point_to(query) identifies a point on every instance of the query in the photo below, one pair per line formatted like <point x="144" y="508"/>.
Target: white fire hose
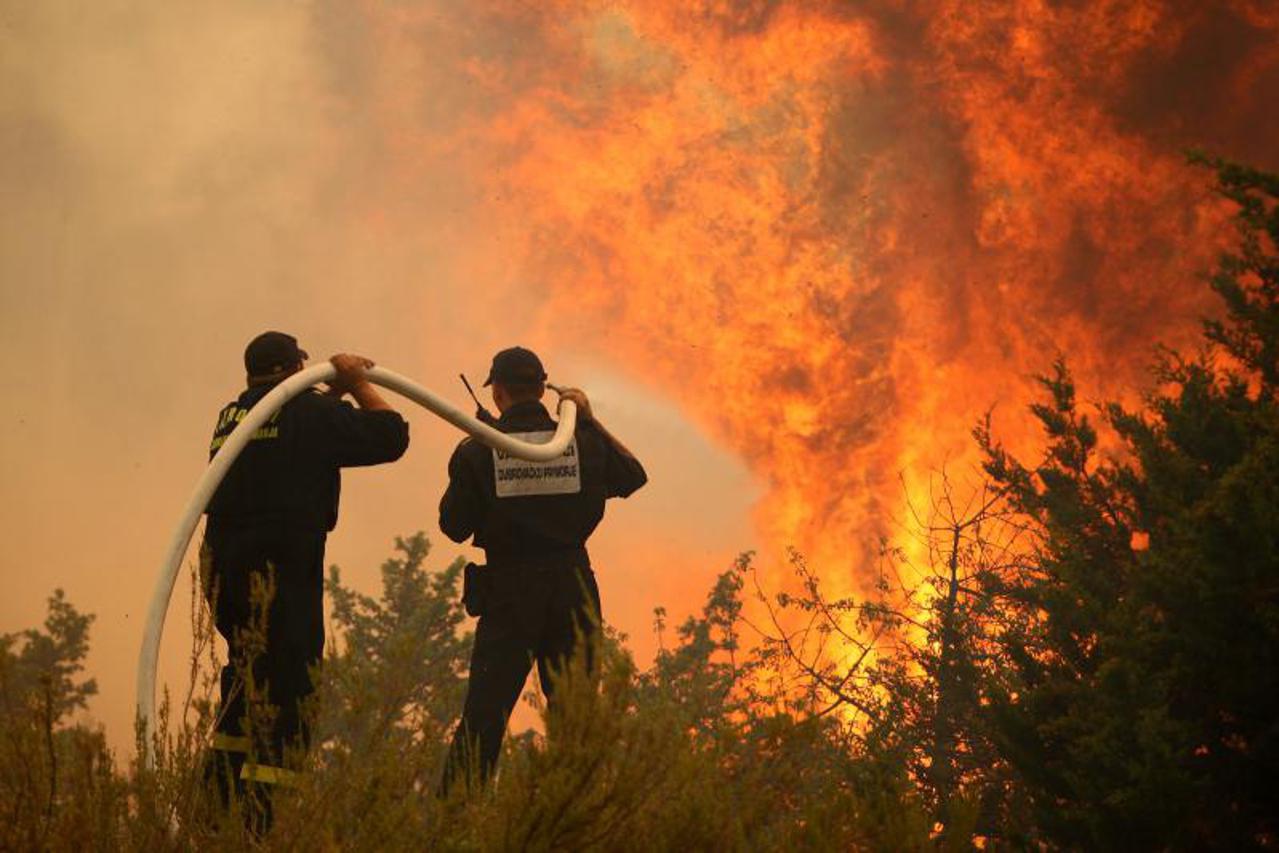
<point x="235" y="442"/>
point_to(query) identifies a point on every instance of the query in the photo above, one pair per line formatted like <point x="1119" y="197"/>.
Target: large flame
<point x="837" y="232"/>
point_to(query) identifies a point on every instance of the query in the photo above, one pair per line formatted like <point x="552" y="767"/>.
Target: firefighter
<point x="263" y="557"/>
<point x="536" y="597"/>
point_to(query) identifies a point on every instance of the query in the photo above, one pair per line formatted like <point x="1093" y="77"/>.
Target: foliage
<point x="391" y="689"/>
<point x="55" y="777"/>
<point x="1145" y="708"/>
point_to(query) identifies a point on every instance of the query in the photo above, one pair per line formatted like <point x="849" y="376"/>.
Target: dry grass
<point x="628" y="761"/>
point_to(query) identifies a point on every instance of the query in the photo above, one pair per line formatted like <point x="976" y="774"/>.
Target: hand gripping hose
<point x="256" y="418"/>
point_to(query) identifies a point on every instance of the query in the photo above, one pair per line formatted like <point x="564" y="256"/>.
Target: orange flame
<point x="839" y="234"/>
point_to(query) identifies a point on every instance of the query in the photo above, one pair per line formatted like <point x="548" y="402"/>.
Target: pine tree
<point x="1146" y="705"/>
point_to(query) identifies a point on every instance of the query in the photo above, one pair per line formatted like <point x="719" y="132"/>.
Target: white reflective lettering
<point x="519" y="477"/>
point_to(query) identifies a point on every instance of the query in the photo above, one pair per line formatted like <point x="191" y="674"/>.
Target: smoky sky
<point x="177" y="179"/>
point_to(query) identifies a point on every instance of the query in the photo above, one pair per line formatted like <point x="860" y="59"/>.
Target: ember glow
<point x="838" y="233"/>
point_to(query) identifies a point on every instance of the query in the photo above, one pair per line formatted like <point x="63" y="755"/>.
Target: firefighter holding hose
<point x="536" y="597"/>
<point x="263" y="556"/>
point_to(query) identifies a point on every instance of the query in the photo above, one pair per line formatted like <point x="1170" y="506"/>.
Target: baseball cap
<point x="516" y="366"/>
<point x="271" y="352"/>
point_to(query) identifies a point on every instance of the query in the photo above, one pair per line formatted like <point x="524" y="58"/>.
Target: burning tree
<point x="1083" y="652"/>
<point x="911" y="668"/>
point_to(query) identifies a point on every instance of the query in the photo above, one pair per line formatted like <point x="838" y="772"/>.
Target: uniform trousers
<point x="266" y="586"/>
<point x="533" y="615"/>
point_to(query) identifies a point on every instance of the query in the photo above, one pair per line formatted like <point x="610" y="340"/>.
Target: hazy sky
<point x="176" y="179"/>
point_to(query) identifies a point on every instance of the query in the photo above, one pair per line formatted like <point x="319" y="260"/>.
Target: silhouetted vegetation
<point x="1080" y="652"/>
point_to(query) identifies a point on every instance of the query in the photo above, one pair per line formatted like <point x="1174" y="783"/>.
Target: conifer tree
<point x="1145" y="710"/>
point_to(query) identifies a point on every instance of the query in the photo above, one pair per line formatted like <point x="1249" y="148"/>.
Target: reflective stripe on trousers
<point x="230" y="743"/>
<point x="265" y="774"/>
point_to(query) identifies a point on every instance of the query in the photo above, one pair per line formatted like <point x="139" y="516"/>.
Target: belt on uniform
<point x="571" y="558"/>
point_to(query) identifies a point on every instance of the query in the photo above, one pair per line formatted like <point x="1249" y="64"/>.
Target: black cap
<point x="516" y="366"/>
<point x="271" y="352"/>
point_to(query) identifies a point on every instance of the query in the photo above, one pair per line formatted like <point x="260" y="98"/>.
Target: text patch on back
<point x="519" y="477"/>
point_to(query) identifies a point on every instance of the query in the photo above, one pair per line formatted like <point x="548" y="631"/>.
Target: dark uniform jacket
<point x="288" y="474"/>
<point x="532" y="527"/>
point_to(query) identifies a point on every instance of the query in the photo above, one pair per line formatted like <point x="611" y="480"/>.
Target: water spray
<point x="236" y="441"/>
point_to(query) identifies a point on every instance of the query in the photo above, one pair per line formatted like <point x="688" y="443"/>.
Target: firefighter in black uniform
<point x="263" y="556"/>
<point x="536" y="597"/>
